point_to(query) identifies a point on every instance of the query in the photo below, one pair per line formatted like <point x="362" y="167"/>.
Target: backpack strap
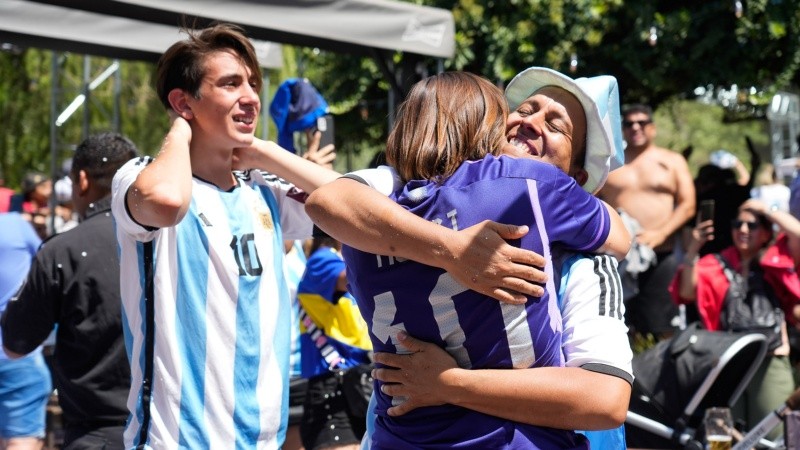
<point x="726" y="268"/>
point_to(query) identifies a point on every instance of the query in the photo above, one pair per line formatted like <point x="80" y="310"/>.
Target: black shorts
<point x="653" y="310"/>
<point x="327" y="420"/>
<point x="297" y="397"/>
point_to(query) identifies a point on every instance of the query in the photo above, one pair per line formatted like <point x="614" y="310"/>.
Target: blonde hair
<point x="446" y="119"/>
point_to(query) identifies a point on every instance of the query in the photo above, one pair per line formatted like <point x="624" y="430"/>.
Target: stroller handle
<point x="768" y="423"/>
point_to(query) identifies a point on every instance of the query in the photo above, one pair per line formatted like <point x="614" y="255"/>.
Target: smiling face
<point x="638" y="129"/>
<point x="749" y="233"/>
<point x="550" y="125"/>
<point x="225" y="111"/>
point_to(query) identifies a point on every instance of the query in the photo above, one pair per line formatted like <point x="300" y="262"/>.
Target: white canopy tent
<point x="30" y="24"/>
<point x="376" y="28"/>
<point x="347" y="26"/>
<point x="143" y="29"/>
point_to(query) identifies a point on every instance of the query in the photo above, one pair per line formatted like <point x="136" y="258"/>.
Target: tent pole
<point x="265" y="105"/>
<point x="117" y="92"/>
<point x="53" y="132"/>
<point x="87" y="68"/>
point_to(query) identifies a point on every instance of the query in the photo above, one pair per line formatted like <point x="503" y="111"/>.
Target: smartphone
<point x="706" y="211"/>
<point x="325" y="126"/>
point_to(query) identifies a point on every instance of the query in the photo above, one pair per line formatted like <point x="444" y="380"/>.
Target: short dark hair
<point x="637" y="108"/>
<point x="101" y="155"/>
<point x="181" y="66"/>
<point x="30" y="181"/>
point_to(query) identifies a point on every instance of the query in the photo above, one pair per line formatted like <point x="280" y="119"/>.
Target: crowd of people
<point x="490" y="276"/>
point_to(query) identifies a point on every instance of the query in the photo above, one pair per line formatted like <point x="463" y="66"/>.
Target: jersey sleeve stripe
<point x="610" y="287"/>
<point x="603" y="284"/>
<point x="355" y="177"/>
<point x="608" y="370"/>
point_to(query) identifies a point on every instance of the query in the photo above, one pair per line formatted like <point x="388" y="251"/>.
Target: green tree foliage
<point x="25" y="104"/>
<point x="684" y="123"/>
<point x="697" y="43"/>
<point x="25" y="110"/>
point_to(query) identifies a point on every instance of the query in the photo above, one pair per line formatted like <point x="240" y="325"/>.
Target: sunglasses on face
<point x="641" y="123"/>
<point x="737" y="224"/>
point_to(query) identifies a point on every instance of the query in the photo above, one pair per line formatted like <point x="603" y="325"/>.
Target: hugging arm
<point x="558" y="397"/>
<point x="269" y="156"/>
<point x="591" y="393"/>
<point x="477" y="257"/>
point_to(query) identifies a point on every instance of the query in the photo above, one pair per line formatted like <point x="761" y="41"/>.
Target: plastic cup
<point x="718" y="424"/>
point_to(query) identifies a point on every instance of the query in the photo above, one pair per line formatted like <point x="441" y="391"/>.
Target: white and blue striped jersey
<point x="295" y="265"/>
<point x="206" y="314"/>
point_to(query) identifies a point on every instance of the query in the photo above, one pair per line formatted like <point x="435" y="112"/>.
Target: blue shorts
<point x="25" y="387"/>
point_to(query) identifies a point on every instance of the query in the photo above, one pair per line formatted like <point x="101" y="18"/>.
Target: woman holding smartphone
<point x="762" y="269"/>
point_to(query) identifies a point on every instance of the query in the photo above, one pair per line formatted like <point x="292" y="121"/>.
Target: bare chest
<point x="653" y="175"/>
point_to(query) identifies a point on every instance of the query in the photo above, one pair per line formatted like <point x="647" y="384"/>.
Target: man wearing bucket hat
<point x="655" y="188"/>
<point x="596" y="347"/>
<point x="597" y="151"/>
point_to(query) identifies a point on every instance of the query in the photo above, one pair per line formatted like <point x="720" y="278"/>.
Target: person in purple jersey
<point x="595" y="338"/>
<point x="435" y="133"/>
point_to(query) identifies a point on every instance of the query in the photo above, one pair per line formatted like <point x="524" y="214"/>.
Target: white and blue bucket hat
<point x="599" y="97"/>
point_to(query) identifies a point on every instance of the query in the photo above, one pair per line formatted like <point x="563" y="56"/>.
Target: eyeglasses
<point x="641" y="123"/>
<point x="737" y="224"/>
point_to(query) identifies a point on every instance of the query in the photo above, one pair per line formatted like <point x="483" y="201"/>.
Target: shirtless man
<point x="654" y="187"/>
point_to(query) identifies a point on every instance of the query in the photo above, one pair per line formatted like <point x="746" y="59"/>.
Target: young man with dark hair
<point x="204" y="297"/>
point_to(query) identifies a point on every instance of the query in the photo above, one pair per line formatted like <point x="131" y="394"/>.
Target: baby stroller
<point x="680" y="377"/>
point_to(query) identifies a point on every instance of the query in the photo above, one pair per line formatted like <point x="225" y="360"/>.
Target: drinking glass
<point x="718" y="425"/>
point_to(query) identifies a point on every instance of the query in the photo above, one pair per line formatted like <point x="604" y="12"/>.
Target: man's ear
<point x="581" y="176"/>
<point x="178" y="101"/>
<point x="83" y="183"/>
